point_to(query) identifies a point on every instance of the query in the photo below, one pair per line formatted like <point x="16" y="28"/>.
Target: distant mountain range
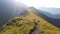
<point x="51" y="12"/>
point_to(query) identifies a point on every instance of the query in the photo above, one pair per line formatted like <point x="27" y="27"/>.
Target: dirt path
<point x="35" y="30"/>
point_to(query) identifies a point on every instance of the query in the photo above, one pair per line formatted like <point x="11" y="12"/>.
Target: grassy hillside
<point x="29" y="23"/>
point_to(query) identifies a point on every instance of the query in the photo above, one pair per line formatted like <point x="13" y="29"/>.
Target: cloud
<point x="42" y="3"/>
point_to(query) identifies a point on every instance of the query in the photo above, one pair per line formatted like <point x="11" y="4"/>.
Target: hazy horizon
<point x="43" y="3"/>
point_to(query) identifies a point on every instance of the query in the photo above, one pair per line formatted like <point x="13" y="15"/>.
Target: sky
<point x="41" y="3"/>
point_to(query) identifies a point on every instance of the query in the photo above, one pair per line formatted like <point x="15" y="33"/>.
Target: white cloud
<point x="42" y="3"/>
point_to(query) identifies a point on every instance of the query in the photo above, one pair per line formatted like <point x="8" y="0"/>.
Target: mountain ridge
<point x="29" y="23"/>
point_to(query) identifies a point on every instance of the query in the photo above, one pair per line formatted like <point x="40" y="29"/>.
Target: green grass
<point x="24" y="23"/>
<point x="17" y="26"/>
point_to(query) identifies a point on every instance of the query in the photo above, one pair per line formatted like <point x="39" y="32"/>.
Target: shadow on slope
<point x="49" y="17"/>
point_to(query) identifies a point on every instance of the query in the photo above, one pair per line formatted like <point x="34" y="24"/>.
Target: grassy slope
<point x="23" y="24"/>
<point x="45" y="26"/>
